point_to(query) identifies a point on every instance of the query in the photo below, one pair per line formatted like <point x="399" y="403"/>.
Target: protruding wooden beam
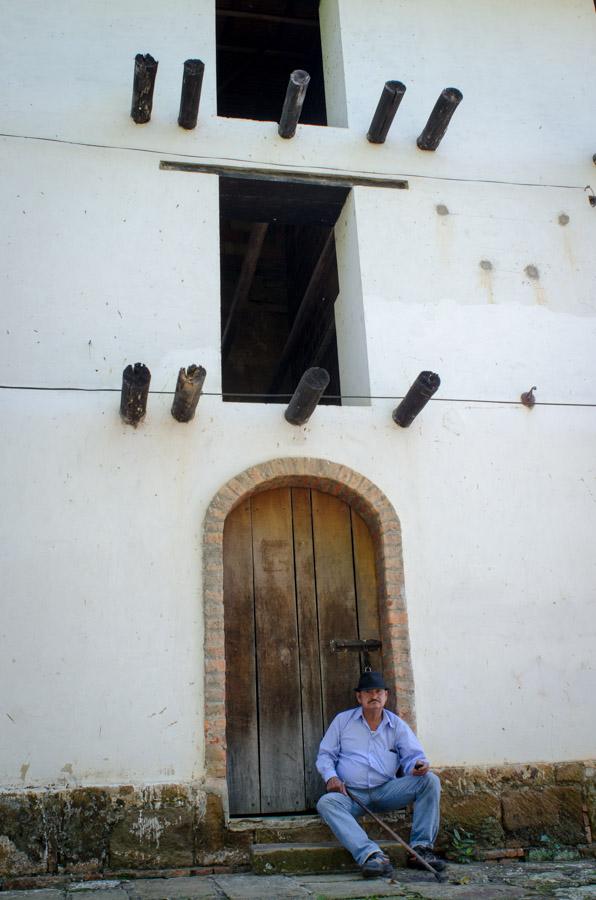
<point x="416" y="399"/>
<point x="304" y="401"/>
<point x="188" y="392"/>
<point x="292" y="107"/>
<point x="439" y="119"/>
<point x="391" y="97"/>
<point x="142" y="88"/>
<point x="311" y="295"/>
<point x="245" y="280"/>
<point x="135" y="390"/>
<point x="190" y="97"/>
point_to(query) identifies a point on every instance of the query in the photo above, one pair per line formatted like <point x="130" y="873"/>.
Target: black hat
<point x="370" y="681"/>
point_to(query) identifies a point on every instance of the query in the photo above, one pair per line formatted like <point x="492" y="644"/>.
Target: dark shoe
<point x="377" y="866"/>
<point x="428" y="856"/>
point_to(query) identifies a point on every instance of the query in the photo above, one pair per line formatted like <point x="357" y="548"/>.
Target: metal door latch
<point x="359" y="646"/>
<point x="364" y="647"/>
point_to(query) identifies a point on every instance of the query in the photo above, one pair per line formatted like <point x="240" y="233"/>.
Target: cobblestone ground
<point x="523" y="881"/>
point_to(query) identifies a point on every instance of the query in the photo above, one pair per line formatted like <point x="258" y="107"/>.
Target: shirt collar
<point x="384" y="720"/>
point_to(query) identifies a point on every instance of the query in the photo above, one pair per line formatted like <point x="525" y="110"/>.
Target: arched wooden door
<point x="299" y="572"/>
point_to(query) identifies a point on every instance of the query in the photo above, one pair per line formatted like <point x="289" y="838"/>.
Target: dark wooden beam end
<point x="311" y="388"/>
<point x="439" y="119"/>
<point x="416" y="399"/>
<point x="391" y="97"/>
<point x="135" y="390"/>
<point x="190" y="97"/>
<point x="188" y="392"/>
<point x="142" y="88"/>
<point x="295" y="94"/>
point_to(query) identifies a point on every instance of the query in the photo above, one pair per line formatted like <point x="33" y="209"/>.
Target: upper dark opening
<point x="259" y="43"/>
<point x="279" y="283"/>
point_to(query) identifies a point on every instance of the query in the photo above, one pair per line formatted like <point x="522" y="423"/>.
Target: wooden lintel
<point x="286" y="175"/>
<point x="245" y="280"/>
<point x="311" y="295"/>
<point x="267" y="17"/>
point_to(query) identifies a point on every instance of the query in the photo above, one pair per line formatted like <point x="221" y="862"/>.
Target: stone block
<point x="357" y="889"/>
<point x="246" y="887"/>
<point x="96" y="893"/>
<point x="153" y="838"/>
<point x="569" y="771"/>
<point x="313" y="833"/>
<point x="479" y="814"/>
<point x="84" y="837"/>
<point x="590" y="798"/>
<point x="312" y="830"/>
<point x="555" y="812"/>
<point x="467" y="779"/>
<point x="48" y="894"/>
<point x="275" y="859"/>
<point x="174" y="795"/>
<point x="29" y="824"/>
<point x="212" y="841"/>
<point x="186" y="888"/>
<point x="290" y="859"/>
<point x="501" y="853"/>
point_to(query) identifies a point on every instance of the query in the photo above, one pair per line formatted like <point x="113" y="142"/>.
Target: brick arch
<point x="383" y="523"/>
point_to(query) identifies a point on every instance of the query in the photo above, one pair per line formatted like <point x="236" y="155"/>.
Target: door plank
<point x="241" y="693"/>
<point x="278" y="675"/>
<point x="366" y="586"/>
<point x="336" y="600"/>
<point x="308" y="630"/>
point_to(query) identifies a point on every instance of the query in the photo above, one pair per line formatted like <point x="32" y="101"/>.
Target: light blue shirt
<point x="362" y="758"/>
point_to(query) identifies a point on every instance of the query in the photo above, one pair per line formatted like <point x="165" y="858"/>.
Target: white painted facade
<point x="107" y="260"/>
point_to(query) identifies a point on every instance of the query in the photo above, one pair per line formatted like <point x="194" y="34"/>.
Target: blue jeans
<point x="340" y="813"/>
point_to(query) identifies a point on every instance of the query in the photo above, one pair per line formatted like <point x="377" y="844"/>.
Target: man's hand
<point x="420" y="768"/>
<point x="336" y="785"/>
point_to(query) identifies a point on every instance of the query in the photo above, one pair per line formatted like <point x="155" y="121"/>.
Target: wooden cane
<point x="395" y="836"/>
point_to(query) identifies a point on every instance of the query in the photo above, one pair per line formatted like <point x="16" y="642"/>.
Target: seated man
<point x="362" y="750"/>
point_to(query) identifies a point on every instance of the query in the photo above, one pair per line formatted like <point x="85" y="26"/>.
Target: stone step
<point x="303" y="858"/>
<point x="309" y="829"/>
<point x="304" y="829"/>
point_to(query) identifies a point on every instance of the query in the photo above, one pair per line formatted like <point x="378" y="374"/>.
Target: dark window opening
<point x="279" y="283"/>
<point x="259" y="43"/>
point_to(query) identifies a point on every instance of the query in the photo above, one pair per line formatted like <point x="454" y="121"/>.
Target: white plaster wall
<point x="429" y="303"/>
<point x="526" y="115"/>
<point x="102" y="630"/>
<point x="107" y="260"/>
<point x="333" y="63"/>
<point x="526" y="105"/>
<point x="350" y="324"/>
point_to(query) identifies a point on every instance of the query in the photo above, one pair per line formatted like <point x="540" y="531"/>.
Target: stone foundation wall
<point x="532" y="810"/>
<point x="546" y="807"/>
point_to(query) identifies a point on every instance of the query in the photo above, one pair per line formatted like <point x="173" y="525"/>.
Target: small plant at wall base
<point x="551" y="849"/>
<point x="462" y="846"/>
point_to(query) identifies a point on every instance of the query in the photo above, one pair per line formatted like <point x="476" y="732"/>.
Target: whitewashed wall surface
<point x="483" y="271"/>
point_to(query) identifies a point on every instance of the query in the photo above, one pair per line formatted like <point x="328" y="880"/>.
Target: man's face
<point x="376" y="698"/>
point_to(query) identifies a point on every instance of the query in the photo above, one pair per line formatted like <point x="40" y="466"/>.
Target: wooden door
<point x="299" y="572"/>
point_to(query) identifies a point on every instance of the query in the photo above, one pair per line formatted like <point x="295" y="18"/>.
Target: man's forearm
<point x="326" y="769"/>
